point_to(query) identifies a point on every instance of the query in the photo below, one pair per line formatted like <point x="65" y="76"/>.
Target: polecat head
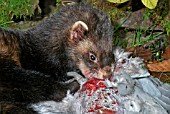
<point x="90" y="51"/>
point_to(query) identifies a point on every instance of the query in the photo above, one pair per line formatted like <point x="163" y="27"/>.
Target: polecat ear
<point x="77" y="32"/>
<point x="69" y="2"/>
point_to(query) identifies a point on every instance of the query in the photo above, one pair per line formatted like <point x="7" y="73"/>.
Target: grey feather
<point x="125" y="89"/>
<point x="149" y="87"/>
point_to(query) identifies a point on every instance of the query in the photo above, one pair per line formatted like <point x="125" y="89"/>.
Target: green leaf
<point x="117" y="1"/>
<point x="151" y="4"/>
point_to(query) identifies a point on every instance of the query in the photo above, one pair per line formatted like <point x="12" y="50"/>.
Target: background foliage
<point x="15" y="8"/>
<point x="151" y="4"/>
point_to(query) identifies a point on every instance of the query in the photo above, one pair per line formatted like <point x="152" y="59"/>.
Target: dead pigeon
<point x="130" y="90"/>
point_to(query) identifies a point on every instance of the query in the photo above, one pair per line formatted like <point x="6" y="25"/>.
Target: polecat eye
<point x="92" y="57"/>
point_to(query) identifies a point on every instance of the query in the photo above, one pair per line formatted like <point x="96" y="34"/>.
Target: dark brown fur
<point x="9" y="47"/>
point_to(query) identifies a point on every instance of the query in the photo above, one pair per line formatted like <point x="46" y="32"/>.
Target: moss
<point x="110" y="9"/>
<point x="18" y="8"/>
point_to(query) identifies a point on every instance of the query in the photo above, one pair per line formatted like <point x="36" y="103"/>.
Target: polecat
<point x="34" y="62"/>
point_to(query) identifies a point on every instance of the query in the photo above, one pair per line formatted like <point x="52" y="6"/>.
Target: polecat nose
<point x="107" y="69"/>
<point x="105" y="72"/>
